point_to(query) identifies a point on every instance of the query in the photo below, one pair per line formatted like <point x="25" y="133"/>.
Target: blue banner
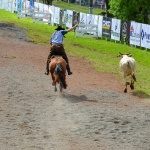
<point x="19" y="5"/>
<point x="31" y="3"/>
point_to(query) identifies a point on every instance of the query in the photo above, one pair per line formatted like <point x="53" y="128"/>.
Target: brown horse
<point x="57" y="69"/>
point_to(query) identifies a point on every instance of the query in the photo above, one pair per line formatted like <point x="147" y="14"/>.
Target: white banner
<point x="57" y="15"/>
<point x="41" y="9"/>
<point x="96" y="19"/>
<point x="69" y="18"/>
<point x="100" y="22"/>
<point x="51" y="9"/>
<point x="135" y="30"/>
<point x="90" y="21"/>
<point x="83" y="20"/>
<point x="115" y="29"/>
<point x="5" y="4"/>
<point x="36" y="6"/>
<point x="27" y="4"/>
<point x="145" y="36"/>
<point x="96" y="23"/>
<point x="46" y="10"/>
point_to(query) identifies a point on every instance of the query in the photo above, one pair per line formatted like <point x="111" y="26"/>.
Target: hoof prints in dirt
<point x="31" y="112"/>
<point x="105" y="116"/>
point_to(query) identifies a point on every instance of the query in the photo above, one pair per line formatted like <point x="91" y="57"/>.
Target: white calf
<point x="127" y="66"/>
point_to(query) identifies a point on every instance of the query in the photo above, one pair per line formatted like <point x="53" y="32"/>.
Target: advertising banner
<point x="57" y="15"/>
<point x="69" y="20"/>
<point x="96" y="23"/>
<point x="46" y="10"/>
<point x="5" y="4"/>
<point x="31" y="3"/>
<point x="19" y="2"/>
<point x="76" y="16"/>
<point x="90" y="21"/>
<point x="106" y="27"/>
<point x="96" y="19"/>
<point x="51" y="10"/>
<point x="27" y="4"/>
<point x="115" y="29"/>
<point x="41" y="9"/>
<point x="145" y="36"/>
<point x="125" y="30"/>
<point x="36" y="5"/>
<point x="135" y="30"/>
<point x="83" y="19"/>
<point x="63" y="16"/>
<point x="100" y="22"/>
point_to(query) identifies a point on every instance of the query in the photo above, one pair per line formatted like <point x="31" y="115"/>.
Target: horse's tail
<point x="61" y="75"/>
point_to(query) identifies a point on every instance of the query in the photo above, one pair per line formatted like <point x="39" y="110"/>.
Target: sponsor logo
<point x="124" y="29"/>
<point x="106" y="25"/>
<point x="145" y="35"/>
<point x="115" y="33"/>
<point x="133" y="34"/>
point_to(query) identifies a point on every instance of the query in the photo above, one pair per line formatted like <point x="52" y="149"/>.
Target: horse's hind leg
<point x="55" y="89"/>
<point x="53" y="79"/>
<point x="125" y="90"/>
<point x="132" y="85"/>
<point x="60" y="87"/>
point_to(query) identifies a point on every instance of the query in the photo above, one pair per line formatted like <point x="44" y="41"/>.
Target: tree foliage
<point x="48" y="2"/>
<point x="135" y="10"/>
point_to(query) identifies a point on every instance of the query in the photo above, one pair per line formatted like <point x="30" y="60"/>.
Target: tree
<point x="135" y="10"/>
<point x="108" y="14"/>
<point x="48" y="2"/>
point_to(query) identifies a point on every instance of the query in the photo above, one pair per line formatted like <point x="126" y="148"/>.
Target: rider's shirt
<point x="57" y="37"/>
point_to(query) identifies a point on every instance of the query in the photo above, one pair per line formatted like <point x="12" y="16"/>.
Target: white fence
<point x="25" y="13"/>
<point x="136" y="34"/>
<point x="87" y="30"/>
<point x="41" y="17"/>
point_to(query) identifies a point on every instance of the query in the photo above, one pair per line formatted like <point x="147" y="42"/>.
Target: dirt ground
<point x="94" y="113"/>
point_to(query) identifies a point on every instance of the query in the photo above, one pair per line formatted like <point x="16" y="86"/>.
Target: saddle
<point x="54" y="56"/>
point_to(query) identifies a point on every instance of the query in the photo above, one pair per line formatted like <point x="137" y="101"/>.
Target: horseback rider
<point x="57" y="47"/>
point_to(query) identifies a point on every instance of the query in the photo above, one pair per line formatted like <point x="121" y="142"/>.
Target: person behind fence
<point x="57" y="47"/>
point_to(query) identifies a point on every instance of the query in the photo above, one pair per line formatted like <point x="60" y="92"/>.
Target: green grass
<point x="77" y="8"/>
<point x="100" y="53"/>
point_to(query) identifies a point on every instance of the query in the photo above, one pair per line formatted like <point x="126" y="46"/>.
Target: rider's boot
<point x="47" y="68"/>
<point x="68" y="70"/>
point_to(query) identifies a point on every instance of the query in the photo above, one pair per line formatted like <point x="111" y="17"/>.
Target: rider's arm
<point x="72" y="28"/>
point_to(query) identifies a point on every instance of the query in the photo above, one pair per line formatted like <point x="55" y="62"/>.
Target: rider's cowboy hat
<point x="59" y="28"/>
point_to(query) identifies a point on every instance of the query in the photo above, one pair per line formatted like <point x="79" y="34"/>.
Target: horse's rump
<point x="58" y="71"/>
<point x="57" y="59"/>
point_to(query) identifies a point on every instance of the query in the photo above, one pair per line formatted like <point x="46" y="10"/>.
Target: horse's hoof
<point x="125" y="90"/>
<point x="132" y="87"/>
<point x="53" y="84"/>
<point x="47" y="73"/>
<point x="70" y="73"/>
<point x="127" y="83"/>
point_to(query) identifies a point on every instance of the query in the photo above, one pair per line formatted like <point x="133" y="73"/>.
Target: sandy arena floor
<point x="94" y="113"/>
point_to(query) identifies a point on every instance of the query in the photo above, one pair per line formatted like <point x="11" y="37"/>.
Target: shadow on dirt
<point x="140" y="94"/>
<point x="78" y="99"/>
<point x="3" y="24"/>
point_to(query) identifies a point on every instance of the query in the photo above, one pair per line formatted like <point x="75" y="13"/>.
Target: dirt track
<point x="94" y="113"/>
